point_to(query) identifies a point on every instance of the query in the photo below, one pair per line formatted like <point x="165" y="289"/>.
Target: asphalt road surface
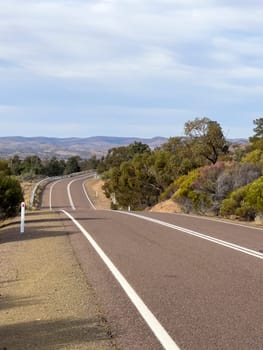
<point x="167" y="281"/>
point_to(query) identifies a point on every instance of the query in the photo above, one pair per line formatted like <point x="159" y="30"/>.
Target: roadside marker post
<point x="22" y="226"/>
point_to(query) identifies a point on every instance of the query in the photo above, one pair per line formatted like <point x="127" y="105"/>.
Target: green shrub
<point x="11" y="196"/>
<point x="254" y="195"/>
<point x="254" y="157"/>
<point x="228" y="206"/>
<point x="246" y="202"/>
<point x="185" y="194"/>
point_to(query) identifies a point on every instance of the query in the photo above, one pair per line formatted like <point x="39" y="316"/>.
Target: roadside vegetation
<point x="11" y="194"/>
<point x="202" y="172"/>
<point x="33" y="167"/>
<point x="18" y="176"/>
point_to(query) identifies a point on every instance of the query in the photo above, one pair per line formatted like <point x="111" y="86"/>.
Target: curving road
<point x="167" y="281"/>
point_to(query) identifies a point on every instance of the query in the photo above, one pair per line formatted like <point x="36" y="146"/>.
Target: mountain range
<point x="63" y="148"/>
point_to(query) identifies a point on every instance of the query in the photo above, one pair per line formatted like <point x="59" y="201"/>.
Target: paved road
<point x="194" y="283"/>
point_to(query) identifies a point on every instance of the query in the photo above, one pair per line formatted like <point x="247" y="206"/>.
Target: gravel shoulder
<point x="46" y="301"/>
<point x="96" y="194"/>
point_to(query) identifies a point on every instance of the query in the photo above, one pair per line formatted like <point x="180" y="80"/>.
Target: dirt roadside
<point x="96" y="194"/>
<point x="46" y="301"/>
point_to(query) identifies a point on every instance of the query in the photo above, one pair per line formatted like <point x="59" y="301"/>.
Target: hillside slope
<point x="62" y="148"/>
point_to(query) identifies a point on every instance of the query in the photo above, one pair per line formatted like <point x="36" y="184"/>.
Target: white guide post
<point x="22" y="226"/>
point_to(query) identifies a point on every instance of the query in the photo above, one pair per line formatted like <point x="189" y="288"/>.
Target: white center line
<point x="200" y="235"/>
<point x="50" y="193"/>
<point x="86" y="194"/>
<point x="69" y="195"/>
<point x="161" y="334"/>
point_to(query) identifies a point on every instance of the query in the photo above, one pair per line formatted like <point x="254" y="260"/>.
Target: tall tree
<point x="16" y="166"/>
<point x="259" y="127"/>
<point x="257" y="139"/>
<point x="32" y="165"/>
<point x="72" y="165"/>
<point x="54" y="167"/>
<point x="118" y="155"/>
<point x="207" y="138"/>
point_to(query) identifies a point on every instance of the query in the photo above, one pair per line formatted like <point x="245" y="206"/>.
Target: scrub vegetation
<point x="11" y="194"/>
<point x="16" y="175"/>
<point x="202" y="172"/>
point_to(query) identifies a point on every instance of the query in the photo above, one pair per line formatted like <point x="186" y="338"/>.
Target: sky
<point x="80" y="68"/>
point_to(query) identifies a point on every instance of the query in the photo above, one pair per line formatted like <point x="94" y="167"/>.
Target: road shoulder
<point x="46" y="301"/>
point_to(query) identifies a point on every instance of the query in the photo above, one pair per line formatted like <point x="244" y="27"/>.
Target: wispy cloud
<point x="66" y="34"/>
<point x="169" y="54"/>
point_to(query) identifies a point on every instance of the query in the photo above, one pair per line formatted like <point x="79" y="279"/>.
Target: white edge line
<point x="86" y="194"/>
<point x="68" y="190"/>
<point x="221" y="221"/>
<point x="50" y="194"/>
<point x="200" y="235"/>
<point x="158" y="330"/>
<point x="69" y="195"/>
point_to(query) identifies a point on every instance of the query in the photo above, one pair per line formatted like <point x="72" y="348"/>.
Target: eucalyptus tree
<point x="257" y="139"/>
<point x="117" y="155"/>
<point x="206" y="138"/>
<point x="72" y="165"/>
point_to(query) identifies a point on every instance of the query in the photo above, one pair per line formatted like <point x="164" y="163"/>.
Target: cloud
<point x="133" y="57"/>
<point x="91" y="39"/>
<point x="89" y="121"/>
<point x="120" y="121"/>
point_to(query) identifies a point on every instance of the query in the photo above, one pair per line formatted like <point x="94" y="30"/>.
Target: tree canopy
<point x="198" y="171"/>
<point x="257" y="139"/>
<point x="258" y="128"/>
<point x="201" y="171"/>
<point x="207" y="138"/>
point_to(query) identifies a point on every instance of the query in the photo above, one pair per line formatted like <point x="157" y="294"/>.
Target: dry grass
<point x="168" y="206"/>
<point x="96" y="194"/>
<point x="27" y="187"/>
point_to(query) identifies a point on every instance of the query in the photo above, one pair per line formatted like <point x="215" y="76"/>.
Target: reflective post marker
<point x="22" y="226"/>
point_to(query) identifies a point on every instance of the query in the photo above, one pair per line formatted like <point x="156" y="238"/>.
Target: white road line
<point x="86" y="194"/>
<point x="159" y="331"/>
<point x="222" y="221"/>
<point x="200" y="235"/>
<point x="50" y="194"/>
<point x="69" y="195"/>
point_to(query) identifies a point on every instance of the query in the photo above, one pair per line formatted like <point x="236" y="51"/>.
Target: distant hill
<point x="63" y="148"/>
<point x="240" y="141"/>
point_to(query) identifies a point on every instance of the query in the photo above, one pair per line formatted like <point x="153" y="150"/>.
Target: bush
<point x="254" y="157"/>
<point x="254" y="195"/>
<point x="11" y="196"/>
<point x="185" y="194"/>
<point x="231" y="205"/>
<point x="246" y="202"/>
<point x="204" y="189"/>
